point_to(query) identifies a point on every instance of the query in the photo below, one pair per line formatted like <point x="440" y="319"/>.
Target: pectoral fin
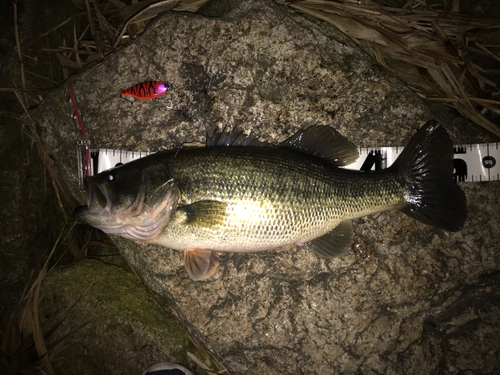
<point x="333" y="244"/>
<point x="200" y="263"/>
<point x="203" y="213"/>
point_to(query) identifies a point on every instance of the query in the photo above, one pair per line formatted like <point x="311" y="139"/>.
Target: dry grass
<point x="111" y="24"/>
<point x="60" y="189"/>
<point x="437" y="54"/>
<point x="208" y="362"/>
<point x="26" y="342"/>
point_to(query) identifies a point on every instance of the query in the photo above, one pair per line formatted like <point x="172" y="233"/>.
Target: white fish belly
<point x="250" y="226"/>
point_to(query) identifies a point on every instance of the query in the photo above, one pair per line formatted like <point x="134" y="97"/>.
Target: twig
<point x="205" y="354"/>
<point x="75" y="48"/>
<point x="490" y="108"/>
<point x="61" y="207"/>
<point x="35" y="59"/>
<point x="445" y="100"/>
<point x="16" y="30"/>
<point x="193" y="358"/>
<point x="189" y="6"/>
<point x="169" y="3"/>
<point x="118" y="3"/>
<point x="488" y="52"/>
<point x="93" y="29"/>
<point x="13" y="89"/>
<point x="84" y="31"/>
<point x="65" y="50"/>
<point x="124" y="13"/>
<point x="481" y="100"/>
<point x="54" y="28"/>
<point x="66" y="62"/>
<point x="77" y="41"/>
<point x="40" y="76"/>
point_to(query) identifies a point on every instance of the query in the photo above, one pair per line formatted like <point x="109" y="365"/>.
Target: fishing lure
<point x="147" y="90"/>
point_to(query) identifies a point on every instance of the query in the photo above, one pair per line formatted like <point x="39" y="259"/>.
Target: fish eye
<point x="111" y="177"/>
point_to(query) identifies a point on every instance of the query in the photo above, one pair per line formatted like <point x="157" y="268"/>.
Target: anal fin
<point x="333" y="244"/>
<point x="200" y="263"/>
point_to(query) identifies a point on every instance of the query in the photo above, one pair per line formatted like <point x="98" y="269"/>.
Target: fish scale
<point x="273" y="197"/>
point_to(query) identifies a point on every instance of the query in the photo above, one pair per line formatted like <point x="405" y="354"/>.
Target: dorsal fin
<point x="233" y="138"/>
<point x="324" y="142"/>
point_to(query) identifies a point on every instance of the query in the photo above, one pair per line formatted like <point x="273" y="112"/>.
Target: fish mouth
<point x="80" y="213"/>
<point x="98" y="211"/>
<point x="139" y="222"/>
<point x="98" y="197"/>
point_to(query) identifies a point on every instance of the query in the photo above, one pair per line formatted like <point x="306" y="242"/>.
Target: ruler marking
<point x="488" y="154"/>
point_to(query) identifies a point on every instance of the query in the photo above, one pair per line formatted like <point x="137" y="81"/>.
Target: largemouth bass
<point x="239" y="195"/>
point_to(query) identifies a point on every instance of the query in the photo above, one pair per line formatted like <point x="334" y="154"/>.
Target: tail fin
<point x="426" y="169"/>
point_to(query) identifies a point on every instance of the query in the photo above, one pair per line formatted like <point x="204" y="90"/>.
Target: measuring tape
<point x="473" y="162"/>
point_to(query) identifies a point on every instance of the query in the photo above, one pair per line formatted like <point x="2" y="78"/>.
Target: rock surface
<point x="408" y="297"/>
<point x="125" y="330"/>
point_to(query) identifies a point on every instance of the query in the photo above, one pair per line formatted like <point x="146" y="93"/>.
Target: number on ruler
<point x="489" y="162"/>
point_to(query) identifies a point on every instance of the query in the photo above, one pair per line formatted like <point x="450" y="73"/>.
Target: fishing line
<point x="82" y="143"/>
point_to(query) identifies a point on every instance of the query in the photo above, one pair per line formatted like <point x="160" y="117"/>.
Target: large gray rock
<point x="386" y="307"/>
<point x="124" y="329"/>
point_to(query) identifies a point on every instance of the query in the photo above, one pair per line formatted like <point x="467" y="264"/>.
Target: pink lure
<point x="147" y="90"/>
